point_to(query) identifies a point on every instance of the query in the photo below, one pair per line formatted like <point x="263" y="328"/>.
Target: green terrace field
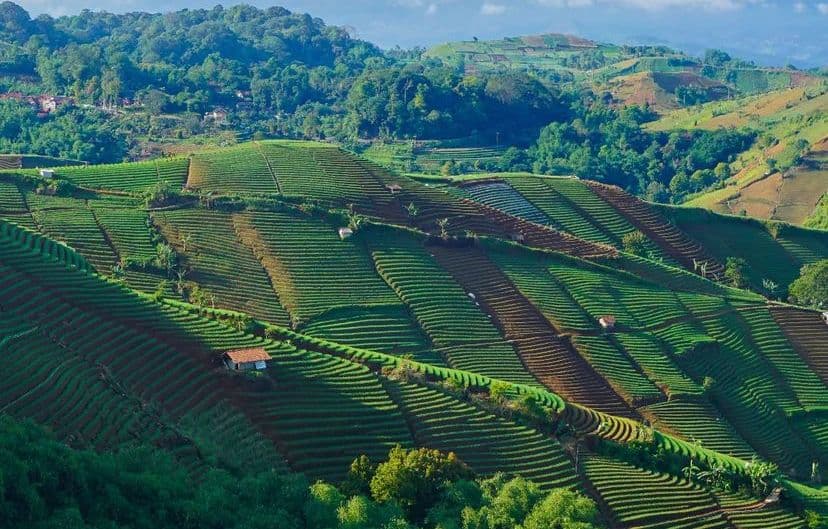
<point x="136" y="177"/>
<point x="430" y="157"/>
<point x="424" y="325"/>
<point x="319" y="413"/>
<point x="774" y="250"/>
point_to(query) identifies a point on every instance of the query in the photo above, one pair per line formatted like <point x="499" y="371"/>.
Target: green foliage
<point x="563" y="509"/>
<point x="612" y="146"/>
<point x="46" y="484"/>
<point x="159" y="195"/>
<point x="414" y="478"/>
<point x="636" y="243"/>
<point x="819" y="218"/>
<point x="516" y="502"/>
<point x="79" y="134"/>
<point x="815" y="521"/>
<point x="736" y="272"/>
<point x="811" y="288"/>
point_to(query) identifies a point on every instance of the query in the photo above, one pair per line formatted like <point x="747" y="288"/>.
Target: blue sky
<point x="771" y="32"/>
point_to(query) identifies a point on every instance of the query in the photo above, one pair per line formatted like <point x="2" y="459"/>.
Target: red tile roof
<point x="252" y="354"/>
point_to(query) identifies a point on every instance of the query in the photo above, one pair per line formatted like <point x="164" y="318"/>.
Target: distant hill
<point x="784" y="174"/>
<point x="661" y="77"/>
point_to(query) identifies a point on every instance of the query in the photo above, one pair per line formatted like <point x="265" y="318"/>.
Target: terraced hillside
<point x="320" y="412"/>
<point x="470" y="322"/>
<point x="632" y="75"/>
<point x="780" y="179"/>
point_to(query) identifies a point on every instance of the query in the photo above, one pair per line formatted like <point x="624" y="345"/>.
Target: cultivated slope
<point x="497" y="281"/>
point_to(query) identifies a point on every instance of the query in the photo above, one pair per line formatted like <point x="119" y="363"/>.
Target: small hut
<point x="254" y="358"/>
<point x="394" y="188"/>
<point x="825" y="317"/>
<point x="344" y="233"/>
<point x="607" y="322"/>
<point x="517" y="237"/>
<point x="47" y="173"/>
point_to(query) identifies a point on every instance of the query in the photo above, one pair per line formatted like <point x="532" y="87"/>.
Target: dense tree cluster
<point x="611" y="145"/>
<point x="44" y="484"/>
<point x="811" y="288"/>
<point x="295" y="74"/>
<point x="80" y="134"/>
<point x="433" y="101"/>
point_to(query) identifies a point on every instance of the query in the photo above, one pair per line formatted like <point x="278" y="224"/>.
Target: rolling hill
<point x="783" y="175"/>
<point x="427" y="322"/>
<point x="632" y="75"/>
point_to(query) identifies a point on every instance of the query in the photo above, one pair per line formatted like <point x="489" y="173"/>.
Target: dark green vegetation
<point x="463" y="319"/>
<point x="811" y="288"/>
<point x="79" y="134"/>
<point x="611" y="146"/>
<point x="142" y="83"/>
<point x="275" y="71"/>
<point x="48" y="484"/>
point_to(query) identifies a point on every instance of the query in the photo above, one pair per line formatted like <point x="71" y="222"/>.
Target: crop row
<point x="312" y="269"/>
<point x="544" y="291"/>
<point x="325" y="412"/>
<point x="657" y="363"/>
<point x="238" y="170"/>
<point x="643" y="499"/>
<point x="386" y="328"/>
<point x="134" y="177"/>
<point x="809" y="334"/>
<point x="449" y="316"/>
<point x="11" y="200"/>
<point x="560" y="210"/>
<point x="634" y="303"/>
<point x="674" y="242"/>
<point x="749" y="395"/>
<point x="128" y="231"/>
<point x="78" y="228"/>
<point x="226" y="271"/>
<point x="503" y="197"/>
<point x="549" y="357"/>
<point x="614" y="365"/>
<point x="109" y="373"/>
<point x="486" y="443"/>
<point x="327" y="173"/>
<point x="771" y="344"/>
<point x="697" y="420"/>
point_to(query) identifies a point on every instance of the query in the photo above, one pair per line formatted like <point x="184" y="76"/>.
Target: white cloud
<point x="800" y="7"/>
<point x="429" y="8"/>
<point x="490" y="9"/>
<point x="822" y="8"/>
<point x="565" y="3"/>
<point x="654" y="5"/>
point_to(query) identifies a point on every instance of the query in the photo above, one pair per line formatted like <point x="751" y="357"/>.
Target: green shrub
<point x="811" y="288"/>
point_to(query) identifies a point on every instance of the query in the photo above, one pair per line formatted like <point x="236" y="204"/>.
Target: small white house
<point x="344" y="233"/>
<point x="394" y="188"/>
<point x="47" y="173"/>
<point x="217" y="115"/>
<point x="607" y="322"/>
<point x="254" y="358"/>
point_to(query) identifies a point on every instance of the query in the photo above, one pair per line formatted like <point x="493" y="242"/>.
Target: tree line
<point x="44" y="484"/>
